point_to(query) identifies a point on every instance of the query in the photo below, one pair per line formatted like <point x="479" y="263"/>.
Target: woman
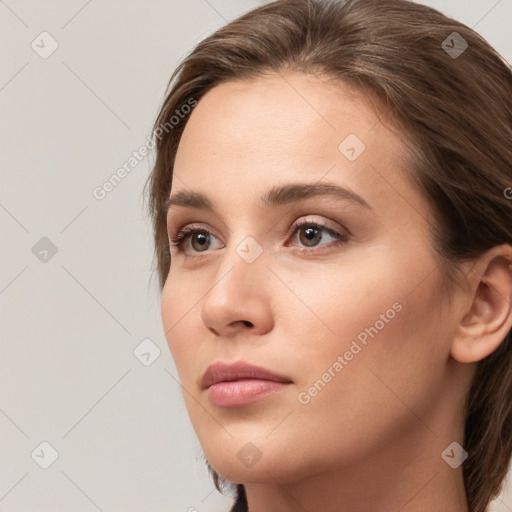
<point x="332" y="186"/>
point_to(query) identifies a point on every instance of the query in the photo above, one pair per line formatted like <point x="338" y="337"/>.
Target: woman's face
<point x="348" y="309"/>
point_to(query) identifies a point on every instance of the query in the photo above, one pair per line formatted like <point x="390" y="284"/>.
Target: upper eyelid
<point x="302" y="220"/>
<point x="322" y="224"/>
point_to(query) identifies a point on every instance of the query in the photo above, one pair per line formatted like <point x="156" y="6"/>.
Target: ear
<point x="487" y="317"/>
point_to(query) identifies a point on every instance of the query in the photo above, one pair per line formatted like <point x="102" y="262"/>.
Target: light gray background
<point x="70" y="324"/>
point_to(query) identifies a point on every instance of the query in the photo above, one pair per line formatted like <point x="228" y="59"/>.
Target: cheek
<point x="387" y="360"/>
<point x="388" y="331"/>
<point x="328" y="306"/>
<point x="387" y="384"/>
<point x="179" y="305"/>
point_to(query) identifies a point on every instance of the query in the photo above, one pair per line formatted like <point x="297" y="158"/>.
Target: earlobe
<point x="488" y="321"/>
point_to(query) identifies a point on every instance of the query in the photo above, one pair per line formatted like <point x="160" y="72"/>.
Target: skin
<point x="372" y="438"/>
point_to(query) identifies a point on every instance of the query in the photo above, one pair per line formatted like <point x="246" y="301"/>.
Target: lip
<point x="240" y="383"/>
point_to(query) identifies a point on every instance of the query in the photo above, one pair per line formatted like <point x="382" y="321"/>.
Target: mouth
<point x="239" y="384"/>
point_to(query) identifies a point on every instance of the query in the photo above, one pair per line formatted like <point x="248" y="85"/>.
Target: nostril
<point x="247" y="323"/>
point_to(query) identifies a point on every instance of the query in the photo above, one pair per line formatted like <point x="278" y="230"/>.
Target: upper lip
<point x="224" y="372"/>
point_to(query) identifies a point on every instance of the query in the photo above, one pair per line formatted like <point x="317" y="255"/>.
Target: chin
<point x="260" y="463"/>
<point x="260" y="473"/>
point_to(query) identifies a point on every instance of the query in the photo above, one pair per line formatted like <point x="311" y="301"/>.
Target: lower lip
<point x="243" y="392"/>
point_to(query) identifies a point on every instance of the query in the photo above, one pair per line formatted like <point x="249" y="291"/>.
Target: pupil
<point x="311" y="233"/>
<point x="202" y="238"/>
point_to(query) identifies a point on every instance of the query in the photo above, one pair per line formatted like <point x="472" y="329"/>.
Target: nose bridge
<point x="243" y="267"/>
<point x="240" y="292"/>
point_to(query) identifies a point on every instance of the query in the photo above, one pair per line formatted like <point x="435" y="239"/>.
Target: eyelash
<point x="183" y="234"/>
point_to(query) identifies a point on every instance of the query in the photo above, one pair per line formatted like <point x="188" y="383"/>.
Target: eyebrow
<point x="276" y="196"/>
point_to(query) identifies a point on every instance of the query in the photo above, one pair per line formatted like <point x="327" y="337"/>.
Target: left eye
<point x="310" y="234"/>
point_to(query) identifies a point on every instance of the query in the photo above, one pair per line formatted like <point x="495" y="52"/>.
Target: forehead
<point x="283" y="110"/>
<point x="245" y="135"/>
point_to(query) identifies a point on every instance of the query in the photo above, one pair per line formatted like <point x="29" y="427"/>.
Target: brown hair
<point x="455" y="109"/>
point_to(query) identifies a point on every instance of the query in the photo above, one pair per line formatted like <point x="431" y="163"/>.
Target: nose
<point x="238" y="301"/>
